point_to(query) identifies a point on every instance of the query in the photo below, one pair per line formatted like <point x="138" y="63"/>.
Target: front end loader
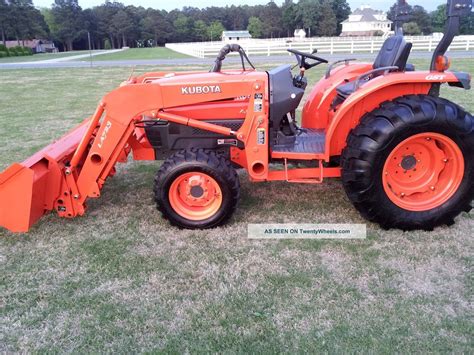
<point x="405" y="155"/>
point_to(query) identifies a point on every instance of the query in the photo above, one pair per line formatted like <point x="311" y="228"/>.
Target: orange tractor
<point x="405" y="155"/>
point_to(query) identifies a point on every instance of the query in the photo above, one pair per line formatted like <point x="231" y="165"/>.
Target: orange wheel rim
<point x="195" y="196"/>
<point x="423" y="171"/>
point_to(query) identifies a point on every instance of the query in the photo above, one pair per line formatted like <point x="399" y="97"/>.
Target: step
<point x="309" y="141"/>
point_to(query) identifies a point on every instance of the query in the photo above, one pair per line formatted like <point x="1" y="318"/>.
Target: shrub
<point x="107" y="44"/>
<point x="4" y="49"/>
<point x="27" y="51"/>
<point x="3" y="54"/>
<point x="24" y="51"/>
<point x="19" y="50"/>
<point x="411" y="28"/>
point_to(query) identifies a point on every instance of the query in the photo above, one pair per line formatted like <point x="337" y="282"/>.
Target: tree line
<point x="422" y="22"/>
<point x="113" y="25"/>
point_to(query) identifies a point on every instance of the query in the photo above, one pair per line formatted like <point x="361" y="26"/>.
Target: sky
<point x="170" y="5"/>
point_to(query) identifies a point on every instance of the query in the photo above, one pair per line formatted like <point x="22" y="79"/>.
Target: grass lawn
<point x="140" y="54"/>
<point x="120" y="279"/>
<point x="39" y="57"/>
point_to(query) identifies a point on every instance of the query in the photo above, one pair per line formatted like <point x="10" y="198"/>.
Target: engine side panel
<point x="167" y="137"/>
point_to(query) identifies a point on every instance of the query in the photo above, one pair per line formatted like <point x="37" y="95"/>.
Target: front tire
<point x="197" y="189"/>
<point x="409" y="164"/>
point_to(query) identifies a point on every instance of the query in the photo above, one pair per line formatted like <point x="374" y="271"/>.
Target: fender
<point x="464" y="80"/>
<point x="317" y="106"/>
<point x="371" y="94"/>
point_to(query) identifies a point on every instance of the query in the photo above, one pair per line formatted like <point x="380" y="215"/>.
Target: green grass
<point x="39" y="57"/>
<point x="140" y="54"/>
<point x="120" y="279"/>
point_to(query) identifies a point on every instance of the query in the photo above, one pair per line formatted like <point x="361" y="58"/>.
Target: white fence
<point x="322" y="44"/>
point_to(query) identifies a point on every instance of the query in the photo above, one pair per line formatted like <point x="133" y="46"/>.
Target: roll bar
<point x="454" y="11"/>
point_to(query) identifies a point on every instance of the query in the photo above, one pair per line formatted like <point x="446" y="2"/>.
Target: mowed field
<point x="120" y="279"/>
<point x="140" y="54"/>
<point x="40" y="57"/>
<point x="129" y="54"/>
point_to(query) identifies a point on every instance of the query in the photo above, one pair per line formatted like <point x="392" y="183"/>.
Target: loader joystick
<point x="228" y="48"/>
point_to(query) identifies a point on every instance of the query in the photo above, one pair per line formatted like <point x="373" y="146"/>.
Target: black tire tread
<point x="201" y="157"/>
<point x="377" y="130"/>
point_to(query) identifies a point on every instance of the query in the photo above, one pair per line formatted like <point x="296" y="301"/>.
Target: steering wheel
<point x="301" y="58"/>
<point x="228" y="48"/>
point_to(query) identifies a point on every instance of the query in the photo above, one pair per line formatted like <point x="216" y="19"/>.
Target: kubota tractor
<point x="405" y="155"/>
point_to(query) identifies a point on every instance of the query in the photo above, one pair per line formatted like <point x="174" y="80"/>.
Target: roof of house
<point x="300" y="30"/>
<point x="367" y="15"/>
<point x="236" y="34"/>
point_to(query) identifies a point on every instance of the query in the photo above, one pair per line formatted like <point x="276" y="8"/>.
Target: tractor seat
<point x="394" y="52"/>
<point x="346" y="89"/>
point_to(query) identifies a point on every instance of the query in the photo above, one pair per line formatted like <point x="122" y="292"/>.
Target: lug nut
<point x="445" y="160"/>
<point x="428" y="138"/>
<point x="76" y="197"/>
<point x="432" y="188"/>
<point x="402" y="194"/>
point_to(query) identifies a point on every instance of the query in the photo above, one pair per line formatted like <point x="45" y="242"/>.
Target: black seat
<point x="394" y="52"/>
<point x="346" y="89"/>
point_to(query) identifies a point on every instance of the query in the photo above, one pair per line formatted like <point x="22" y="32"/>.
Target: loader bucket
<point x="28" y="190"/>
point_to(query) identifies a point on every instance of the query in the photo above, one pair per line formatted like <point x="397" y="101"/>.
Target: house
<point x="37" y="45"/>
<point x="235" y="35"/>
<point x="366" y="21"/>
<point x="299" y="33"/>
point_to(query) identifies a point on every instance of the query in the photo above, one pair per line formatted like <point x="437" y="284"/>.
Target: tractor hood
<point x="192" y="88"/>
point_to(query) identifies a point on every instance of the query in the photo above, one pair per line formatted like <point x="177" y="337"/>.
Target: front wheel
<point x="197" y="189"/>
<point x="410" y="163"/>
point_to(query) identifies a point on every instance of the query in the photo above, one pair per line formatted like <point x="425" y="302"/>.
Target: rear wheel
<point x="410" y="163"/>
<point x="197" y="189"/>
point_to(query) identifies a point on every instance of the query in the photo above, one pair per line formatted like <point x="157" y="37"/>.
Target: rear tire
<point x="420" y="131"/>
<point x="197" y="189"/>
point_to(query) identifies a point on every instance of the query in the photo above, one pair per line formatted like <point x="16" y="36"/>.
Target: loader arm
<point x="63" y="175"/>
